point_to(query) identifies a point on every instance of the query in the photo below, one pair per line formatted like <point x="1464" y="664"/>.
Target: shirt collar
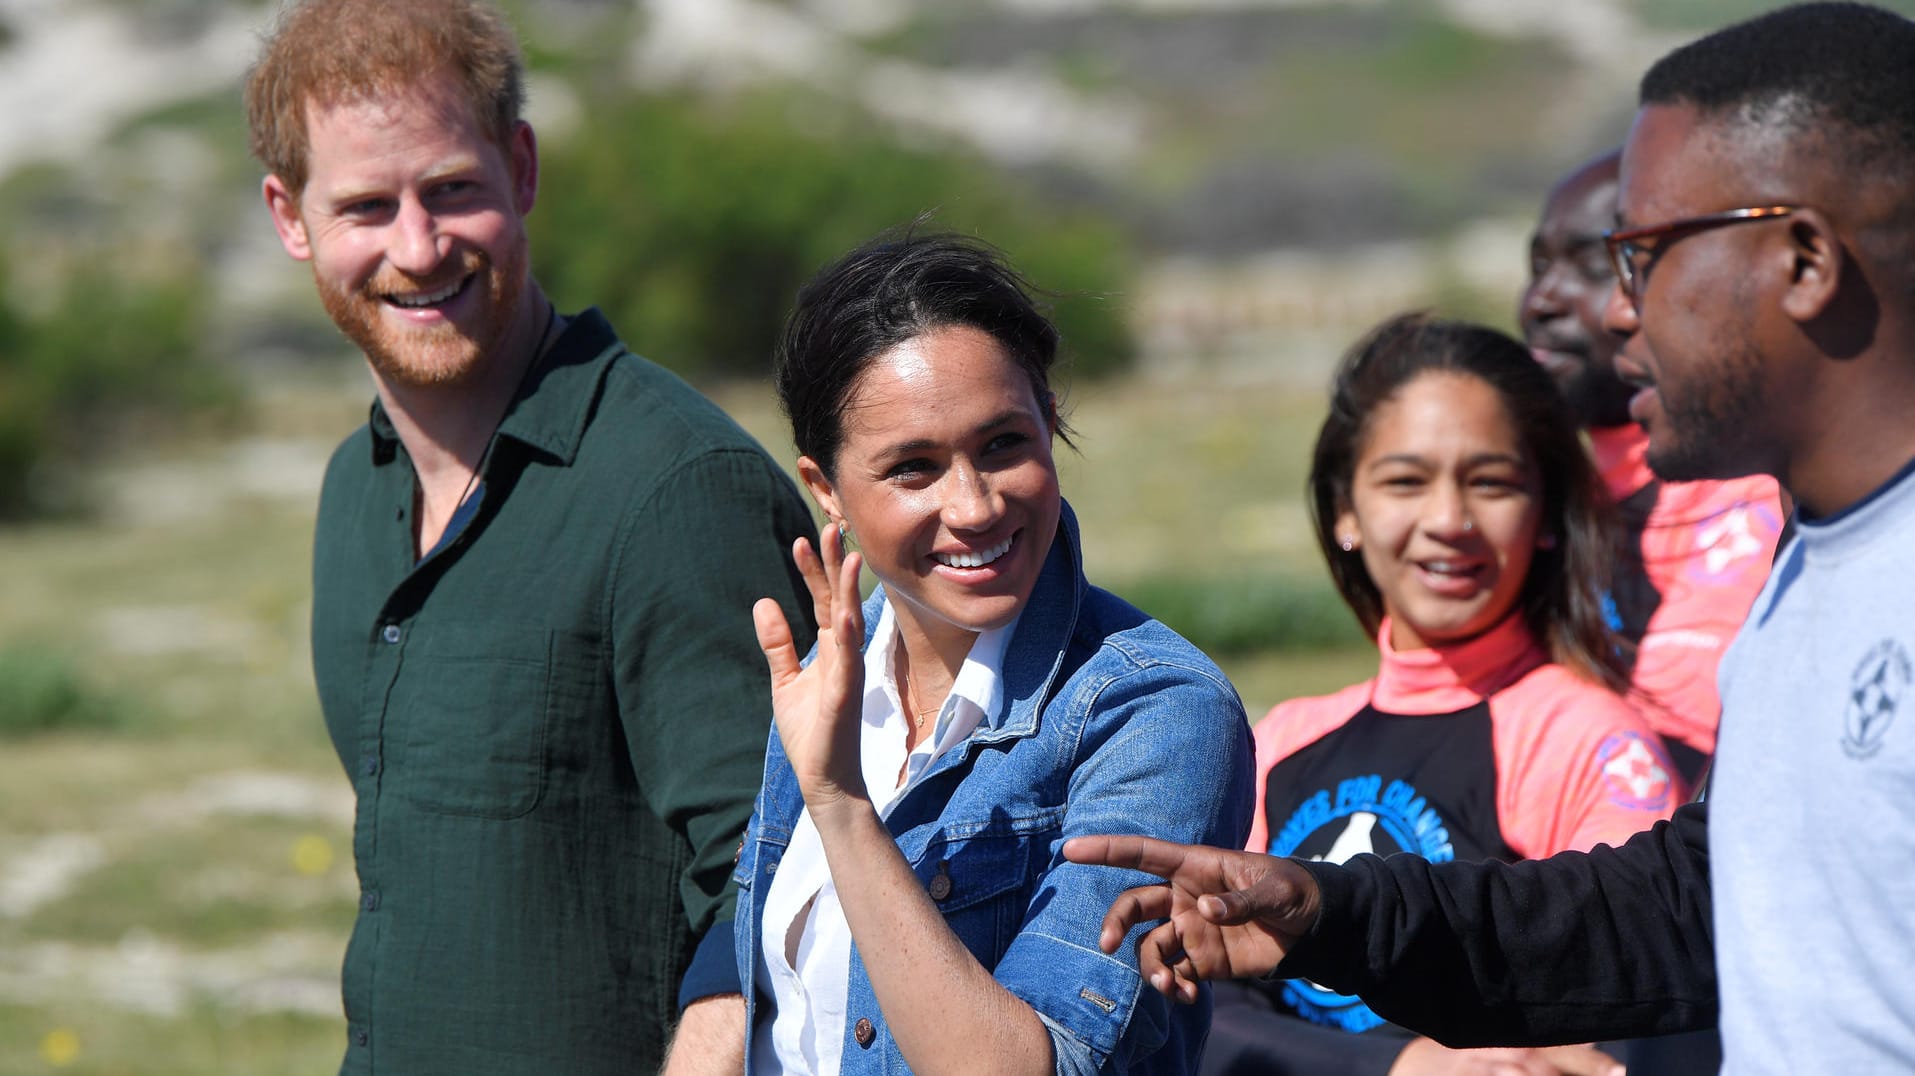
<point x="1445" y="679"/>
<point x="551" y="409"/>
<point x="975" y="694"/>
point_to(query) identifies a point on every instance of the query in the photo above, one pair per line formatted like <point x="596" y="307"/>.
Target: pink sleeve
<point x="1576" y="766"/>
<point x="1290" y="727"/>
<point x="1709" y="575"/>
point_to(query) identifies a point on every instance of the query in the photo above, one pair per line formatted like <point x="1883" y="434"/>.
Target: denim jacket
<point x="1109" y="723"/>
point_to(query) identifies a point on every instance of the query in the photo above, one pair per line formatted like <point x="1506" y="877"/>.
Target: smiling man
<point x="1694" y="554"/>
<point x="1766" y="253"/>
<point x="533" y="571"/>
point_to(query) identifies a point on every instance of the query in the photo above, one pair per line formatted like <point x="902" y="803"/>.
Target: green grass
<point x="204" y="1041"/>
<point x="207" y="883"/>
<point x="1265" y="680"/>
<point x="42" y="692"/>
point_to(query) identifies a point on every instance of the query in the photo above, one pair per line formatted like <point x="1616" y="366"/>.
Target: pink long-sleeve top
<point x="1484" y="749"/>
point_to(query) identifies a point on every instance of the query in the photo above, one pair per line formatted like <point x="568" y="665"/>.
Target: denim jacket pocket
<point x="980" y="884"/>
<point x="474" y="705"/>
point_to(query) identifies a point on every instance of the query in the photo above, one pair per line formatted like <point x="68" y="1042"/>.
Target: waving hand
<point x="817" y="707"/>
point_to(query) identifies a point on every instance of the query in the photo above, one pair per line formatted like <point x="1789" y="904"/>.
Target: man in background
<point x="533" y="575"/>
<point x="1695" y="554"/>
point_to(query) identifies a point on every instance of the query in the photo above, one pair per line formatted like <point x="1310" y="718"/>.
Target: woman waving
<point x="904" y="902"/>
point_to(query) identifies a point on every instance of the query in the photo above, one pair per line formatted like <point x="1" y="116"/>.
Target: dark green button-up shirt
<point x="555" y="723"/>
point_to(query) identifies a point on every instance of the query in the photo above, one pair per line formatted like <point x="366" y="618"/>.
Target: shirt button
<point x="359" y="1036"/>
<point x="864" y="1033"/>
<point x="369" y="900"/>
<point x="369" y="766"/>
<point x="391" y="634"/>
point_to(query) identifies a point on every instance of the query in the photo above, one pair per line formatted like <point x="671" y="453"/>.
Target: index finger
<point x="1149" y="854"/>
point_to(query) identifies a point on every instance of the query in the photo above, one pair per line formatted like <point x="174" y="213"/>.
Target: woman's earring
<point x="1347" y="544"/>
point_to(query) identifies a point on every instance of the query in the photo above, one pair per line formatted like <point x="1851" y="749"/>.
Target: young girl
<point x="1466" y="528"/>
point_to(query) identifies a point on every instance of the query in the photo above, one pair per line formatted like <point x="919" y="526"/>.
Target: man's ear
<point x="284" y="206"/>
<point x="821" y="489"/>
<point x="523" y="156"/>
<point x="1817" y="261"/>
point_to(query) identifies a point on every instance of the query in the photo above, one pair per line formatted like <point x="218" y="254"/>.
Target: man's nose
<point x="1543" y="298"/>
<point x="1619" y="314"/>
<point x="416" y="247"/>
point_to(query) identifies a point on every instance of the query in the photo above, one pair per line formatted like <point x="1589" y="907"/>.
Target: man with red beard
<point x="1695" y="554"/>
<point x="531" y="571"/>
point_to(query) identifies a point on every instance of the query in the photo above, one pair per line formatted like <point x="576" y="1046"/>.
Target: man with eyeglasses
<point x="1766" y="250"/>
<point x="1694" y="554"/>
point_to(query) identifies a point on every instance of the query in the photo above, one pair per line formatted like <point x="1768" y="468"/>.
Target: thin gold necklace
<point x="918" y="715"/>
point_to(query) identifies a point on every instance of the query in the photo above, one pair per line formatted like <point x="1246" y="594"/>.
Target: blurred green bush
<point x="41" y="691"/>
<point x="1248" y="614"/>
<point x="108" y="359"/>
<point x="693" y="224"/>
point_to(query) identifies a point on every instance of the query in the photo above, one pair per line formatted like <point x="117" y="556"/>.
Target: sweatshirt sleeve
<point x="1613" y="943"/>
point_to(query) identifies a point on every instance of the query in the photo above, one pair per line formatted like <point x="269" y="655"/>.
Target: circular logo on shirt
<point x="1635" y="771"/>
<point x="1361" y="815"/>
<point x="1876" y="689"/>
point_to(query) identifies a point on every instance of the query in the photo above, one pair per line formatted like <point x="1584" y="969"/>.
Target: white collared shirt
<point x="807" y="1030"/>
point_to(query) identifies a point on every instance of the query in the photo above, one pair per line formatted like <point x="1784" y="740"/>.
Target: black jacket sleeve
<point x="1614" y="943"/>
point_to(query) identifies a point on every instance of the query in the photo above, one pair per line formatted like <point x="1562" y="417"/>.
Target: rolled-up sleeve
<point x="1166" y="753"/>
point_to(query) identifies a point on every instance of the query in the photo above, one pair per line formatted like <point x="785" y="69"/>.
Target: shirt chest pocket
<point x="469" y="719"/>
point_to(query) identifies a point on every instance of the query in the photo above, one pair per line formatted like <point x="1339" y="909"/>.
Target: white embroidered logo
<point x="1728" y="538"/>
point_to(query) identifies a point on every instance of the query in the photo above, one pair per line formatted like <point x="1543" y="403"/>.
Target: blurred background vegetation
<point x="1217" y="195"/>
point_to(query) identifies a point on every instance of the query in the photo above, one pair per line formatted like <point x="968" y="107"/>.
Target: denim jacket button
<point x="940" y="886"/>
<point x="864" y="1033"/>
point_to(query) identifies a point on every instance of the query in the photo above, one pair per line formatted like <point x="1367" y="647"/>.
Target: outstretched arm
<point x="1229" y="915"/>
<point x="1614" y="943"/>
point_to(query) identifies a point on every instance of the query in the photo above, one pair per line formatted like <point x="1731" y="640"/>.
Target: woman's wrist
<point x="831" y="803"/>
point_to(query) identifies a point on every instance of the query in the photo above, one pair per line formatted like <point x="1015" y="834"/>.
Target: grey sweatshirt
<point x="1812" y="803"/>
